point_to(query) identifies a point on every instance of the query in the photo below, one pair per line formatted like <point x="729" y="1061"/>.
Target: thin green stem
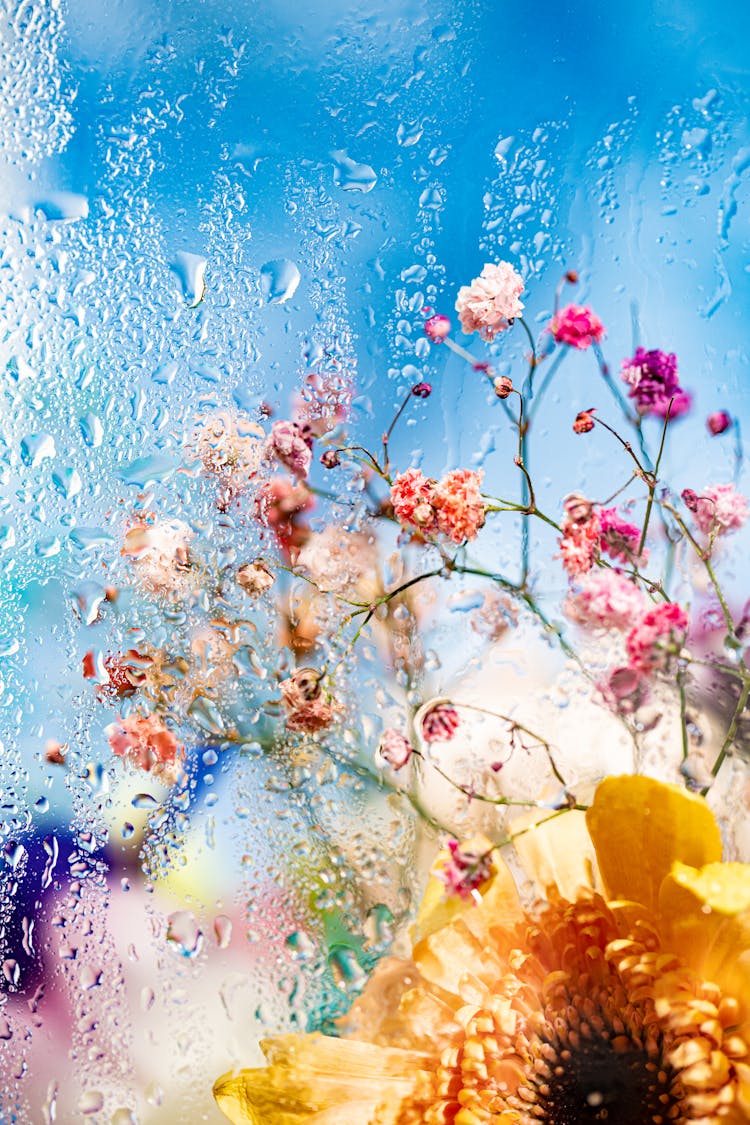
<point x="528" y="387"/>
<point x="731" y="732"/>
<point x="652" y="481"/>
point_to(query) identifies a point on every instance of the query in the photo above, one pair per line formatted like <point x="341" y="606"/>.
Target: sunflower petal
<point x="640" y="827"/>
<point x="706" y="913"/>
<point x="317" y="1080"/>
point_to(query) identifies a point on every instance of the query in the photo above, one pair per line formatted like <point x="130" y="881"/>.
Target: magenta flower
<point x="654" y="383"/>
<point x="464" y="870"/>
<point x="659" y="635"/>
<point x="718" y="422"/>
<point x="619" y="539"/>
<point x="436" y="328"/>
<point x="576" y="325"/>
<point x="491" y="303"/>
<point x="440" y="723"/>
<point x="719" y="509"/>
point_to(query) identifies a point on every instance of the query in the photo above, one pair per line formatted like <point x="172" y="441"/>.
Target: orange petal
<point x="640" y="827"/>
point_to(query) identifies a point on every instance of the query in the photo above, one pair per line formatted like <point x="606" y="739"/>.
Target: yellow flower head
<point x="624" y="998"/>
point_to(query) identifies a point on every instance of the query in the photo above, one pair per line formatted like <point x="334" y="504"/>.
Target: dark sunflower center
<point x="598" y="1082"/>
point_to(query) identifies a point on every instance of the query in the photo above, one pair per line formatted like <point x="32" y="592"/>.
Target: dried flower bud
<point x="577" y="508"/>
<point x="437" y="327"/>
<point x="718" y="422"/>
<point x="503" y="386"/>
<point x="584" y="422"/>
<point x="422" y="390"/>
<point x="394" y="749"/>
<point x="330" y="459"/>
<point x="572" y="277"/>
<point x="690" y="499"/>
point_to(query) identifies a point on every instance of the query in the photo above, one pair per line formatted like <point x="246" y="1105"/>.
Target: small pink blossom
<point x="230" y="449"/>
<point x="659" y="635"/>
<point x="159" y="552"/>
<point x="439" y="723"/>
<point x="394" y="749"/>
<point x="291" y="445"/>
<point x="459" y="505"/>
<point x="719" y="422"/>
<point x="436" y="328"/>
<point x="146" y="742"/>
<point x="576" y="325"/>
<point x="465" y="870"/>
<point x="625" y="690"/>
<point x="618" y="538"/>
<point x="306" y="707"/>
<point x="606" y="599"/>
<point x="719" y="509"/>
<point x="491" y="303"/>
<point x="580" y="542"/>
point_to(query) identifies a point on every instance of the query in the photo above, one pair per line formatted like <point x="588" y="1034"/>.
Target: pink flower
<point x="159" y="551"/>
<point x="452" y="507"/>
<point x="439" y="723"/>
<point x="577" y="326"/>
<point x="606" y="599"/>
<point x="306" y="706"/>
<point x="146" y="742"/>
<point x="718" y="422"/>
<point x="411" y="497"/>
<point x="491" y="302"/>
<point x="436" y="328"/>
<point x="465" y="869"/>
<point x="394" y="749"/>
<point x="618" y="538"/>
<point x="659" y="635"/>
<point x="459" y="505"/>
<point x="580" y="542"/>
<point x="291" y="445"/>
<point x="719" y="509"/>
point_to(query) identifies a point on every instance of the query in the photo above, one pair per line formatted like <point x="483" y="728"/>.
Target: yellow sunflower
<point x="624" y="997"/>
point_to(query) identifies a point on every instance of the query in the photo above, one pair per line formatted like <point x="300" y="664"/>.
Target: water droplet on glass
<point x="7" y="537"/>
<point x="347" y="971"/>
<point x="301" y="945"/>
<point x="14" y="853"/>
<point x="149" y="470"/>
<point x="279" y="280"/>
<point x="91" y="1102"/>
<point x="123" y="1117"/>
<point x="89" y="538"/>
<point x="409" y="134"/>
<point x="144" y="801"/>
<point x="350" y="175"/>
<point x="183" y="933"/>
<point x="222" y="930"/>
<point x="11" y="971"/>
<point x="92" y="430"/>
<point x="87" y="600"/>
<point x="191" y="274"/>
<point x="36" y="448"/>
<point x="67" y="482"/>
<point x="61" y="206"/>
<point x="204" y="712"/>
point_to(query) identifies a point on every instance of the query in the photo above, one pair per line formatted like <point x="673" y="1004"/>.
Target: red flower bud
<point x="584" y="421"/>
<point x="718" y="422"/>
